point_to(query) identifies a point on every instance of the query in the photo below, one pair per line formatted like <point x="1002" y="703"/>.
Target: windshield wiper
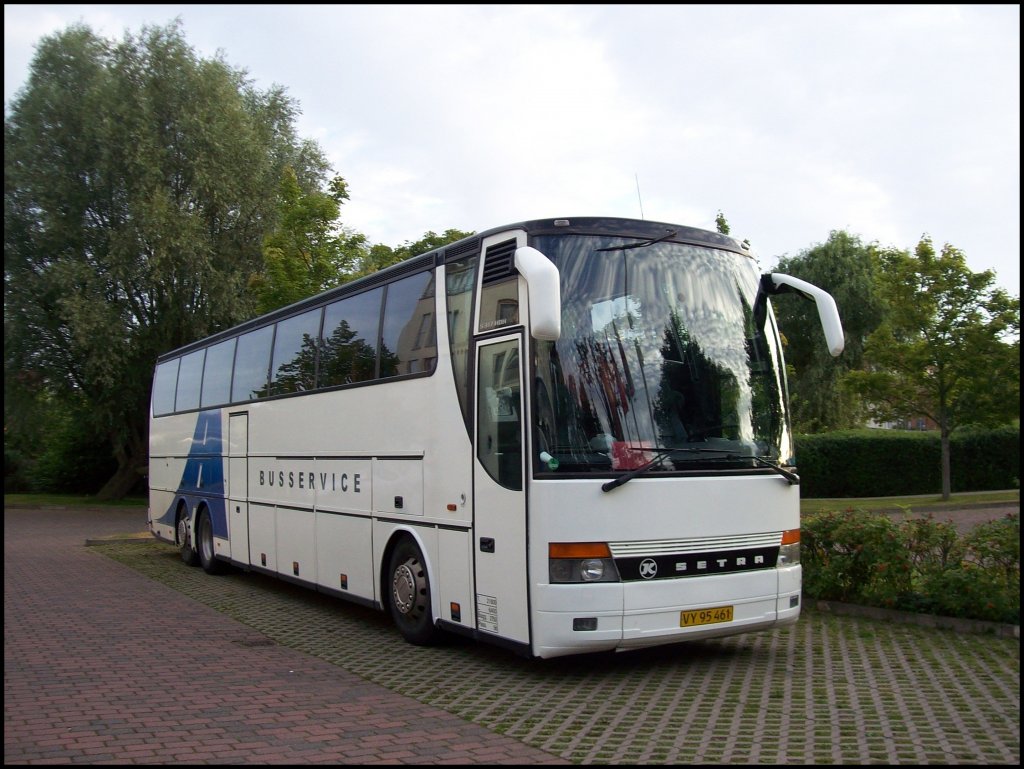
<point x="660" y="455"/>
<point x="641" y="244"/>
<point x="793" y="478"/>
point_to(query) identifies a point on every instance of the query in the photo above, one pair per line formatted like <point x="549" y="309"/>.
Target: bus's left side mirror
<point x="544" y="294"/>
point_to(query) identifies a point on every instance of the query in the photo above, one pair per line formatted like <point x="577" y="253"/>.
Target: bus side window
<point x="499" y="293"/>
<point x="294" y="368"/>
<point x="190" y="378"/>
<point x="252" y="365"/>
<point x="348" y="347"/>
<point x="217" y="374"/>
<point x="499" y="304"/>
<point x="460" y="277"/>
<point x="163" y="387"/>
<point x="409" y="339"/>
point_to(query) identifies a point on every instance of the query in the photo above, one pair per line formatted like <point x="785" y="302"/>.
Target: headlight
<point x="592" y="569"/>
<point x="789" y="552"/>
<point x="575" y="562"/>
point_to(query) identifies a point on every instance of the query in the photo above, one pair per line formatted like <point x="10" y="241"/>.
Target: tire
<point x="188" y="553"/>
<point x="409" y="598"/>
<point x="207" y="552"/>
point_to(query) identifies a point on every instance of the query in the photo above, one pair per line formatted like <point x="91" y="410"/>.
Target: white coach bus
<point x="590" y="452"/>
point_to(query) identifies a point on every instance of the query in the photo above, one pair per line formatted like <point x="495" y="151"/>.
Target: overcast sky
<point x="887" y="121"/>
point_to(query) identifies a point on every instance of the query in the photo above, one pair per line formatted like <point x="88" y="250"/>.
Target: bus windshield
<point x="658" y="351"/>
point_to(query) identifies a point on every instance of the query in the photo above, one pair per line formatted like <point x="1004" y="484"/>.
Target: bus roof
<point x="582" y="225"/>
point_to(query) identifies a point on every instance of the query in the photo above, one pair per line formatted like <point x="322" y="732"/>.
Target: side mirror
<point x="544" y="293"/>
<point x="828" y="314"/>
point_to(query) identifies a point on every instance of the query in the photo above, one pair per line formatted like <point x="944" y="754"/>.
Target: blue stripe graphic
<point x="203" y="475"/>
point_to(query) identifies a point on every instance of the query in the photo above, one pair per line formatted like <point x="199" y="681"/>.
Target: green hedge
<point x="886" y="463"/>
<point x="917" y="565"/>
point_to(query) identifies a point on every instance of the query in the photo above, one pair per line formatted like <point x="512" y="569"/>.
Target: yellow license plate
<point x="705" y="616"/>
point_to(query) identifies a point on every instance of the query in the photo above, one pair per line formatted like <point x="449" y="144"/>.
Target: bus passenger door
<point x="238" y="487"/>
<point x="499" y="530"/>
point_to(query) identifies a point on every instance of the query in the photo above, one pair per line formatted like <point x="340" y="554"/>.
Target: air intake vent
<point x="461" y="249"/>
<point x="499" y="263"/>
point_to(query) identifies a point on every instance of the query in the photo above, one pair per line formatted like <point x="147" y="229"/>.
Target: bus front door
<point x="498" y="489"/>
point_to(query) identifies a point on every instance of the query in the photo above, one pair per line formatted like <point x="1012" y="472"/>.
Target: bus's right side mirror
<point x="828" y="314"/>
<point x="544" y="293"/>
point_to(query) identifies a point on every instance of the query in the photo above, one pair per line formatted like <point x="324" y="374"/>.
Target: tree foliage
<point x="949" y="348"/>
<point x="140" y="183"/>
<point x="380" y="256"/>
<point x="307" y="252"/>
<point x="845" y="267"/>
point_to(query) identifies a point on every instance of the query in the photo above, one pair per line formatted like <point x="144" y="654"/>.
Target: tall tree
<point x="721" y="223"/>
<point x="139" y="183"/>
<point x="845" y="267"/>
<point x="307" y="252"/>
<point x="949" y="348"/>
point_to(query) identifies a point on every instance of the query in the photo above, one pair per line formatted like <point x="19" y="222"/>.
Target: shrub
<point x="71" y="459"/>
<point x="855" y="557"/>
<point x="885" y="463"/>
<point x="919" y="565"/>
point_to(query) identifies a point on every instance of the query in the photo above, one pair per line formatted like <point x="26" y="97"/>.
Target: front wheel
<point x="409" y="594"/>
<point x="207" y="554"/>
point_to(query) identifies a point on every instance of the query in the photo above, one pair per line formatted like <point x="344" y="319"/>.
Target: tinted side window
<point x="460" y="278"/>
<point x="294" y="368"/>
<point x="499" y="429"/>
<point x="217" y="373"/>
<point x="499" y="292"/>
<point x="348" y="351"/>
<point x="252" y="364"/>
<point x="409" y="338"/>
<point x="190" y="378"/>
<point x="164" y="382"/>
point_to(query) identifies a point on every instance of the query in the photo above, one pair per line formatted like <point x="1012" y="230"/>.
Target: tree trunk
<point x="132" y="464"/>
<point x="120" y="484"/>
<point x="947" y="484"/>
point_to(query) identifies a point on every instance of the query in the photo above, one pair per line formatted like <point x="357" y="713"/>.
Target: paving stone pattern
<point x="103" y="665"/>
<point x="244" y="668"/>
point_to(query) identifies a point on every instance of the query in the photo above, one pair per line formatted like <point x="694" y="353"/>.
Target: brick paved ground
<point x="163" y="663"/>
<point x="102" y="665"/>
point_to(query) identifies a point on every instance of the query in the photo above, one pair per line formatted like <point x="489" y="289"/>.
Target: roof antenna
<point x="638" y="194"/>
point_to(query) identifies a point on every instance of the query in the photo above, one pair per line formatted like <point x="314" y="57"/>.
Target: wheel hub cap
<point x="403" y="587"/>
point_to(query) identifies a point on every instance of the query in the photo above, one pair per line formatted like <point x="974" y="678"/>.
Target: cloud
<point x="890" y="121"/>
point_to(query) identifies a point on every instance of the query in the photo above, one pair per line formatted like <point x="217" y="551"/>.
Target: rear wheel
<point x="409" y="594"/>
<point x="188" y="553"/>
<point x="207" y="553"/>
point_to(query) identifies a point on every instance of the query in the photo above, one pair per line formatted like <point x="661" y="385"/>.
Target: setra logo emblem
<point x="648" y="568"/>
